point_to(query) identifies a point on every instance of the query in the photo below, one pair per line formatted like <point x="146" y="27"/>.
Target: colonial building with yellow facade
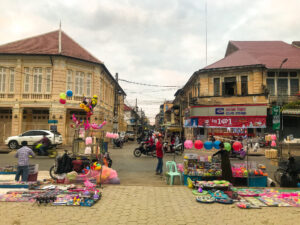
<point x="34" y="71"/>
<point x="235" y="95"/>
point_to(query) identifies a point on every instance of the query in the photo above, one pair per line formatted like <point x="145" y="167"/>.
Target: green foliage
<point x="291" y="105"/>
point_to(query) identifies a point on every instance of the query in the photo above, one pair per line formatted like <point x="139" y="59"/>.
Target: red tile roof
<point x="127" y="108"/>
<point x="267" y="53"/>
<point x="47" y="44"/>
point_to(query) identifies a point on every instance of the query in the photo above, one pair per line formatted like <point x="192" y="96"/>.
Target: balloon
<point x="237" y="146"/>
<point x="217" y="144"/>
<point x="273" y="137"/>
<point x="273" y="144"/>
<point x="69" y="93"/>
<point x="198" y="144"/>
<point x="62" y="96"/>
<point x="227" y="146"/>
<point x="208" y="145"/>
<point x="188" y="144"/>
<point x="62" y="101"/>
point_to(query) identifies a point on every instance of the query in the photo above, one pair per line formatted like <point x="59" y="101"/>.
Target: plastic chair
<point x="172" y="172"/>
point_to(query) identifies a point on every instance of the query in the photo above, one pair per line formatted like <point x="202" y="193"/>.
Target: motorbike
<point x="144" y="150"/>
<point x="288" y="172"/>
<point x="118" y="143"/>
<point x="177" y="149"/>
<point x="238" y="154"/>
<point x="51" y="152"/>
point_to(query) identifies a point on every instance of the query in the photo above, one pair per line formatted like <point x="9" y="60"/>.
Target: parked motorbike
<point x="143" y="149"/>
<point x="118" y="143"/>
<point x="288" y="172"/>
<point x="177" y="149"/>
<point x="51" y="152"/>
<point x="238" y="154"/>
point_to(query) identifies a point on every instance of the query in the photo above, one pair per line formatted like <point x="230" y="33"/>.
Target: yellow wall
<point x="101" y="85"/>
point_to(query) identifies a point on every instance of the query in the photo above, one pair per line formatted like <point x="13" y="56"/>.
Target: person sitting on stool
<point x="23" y="161"/>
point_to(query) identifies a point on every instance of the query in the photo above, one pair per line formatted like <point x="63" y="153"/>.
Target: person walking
<point x="23" y="161"/>
<point x="225" y="163"/>
<point x="159" y="155"/>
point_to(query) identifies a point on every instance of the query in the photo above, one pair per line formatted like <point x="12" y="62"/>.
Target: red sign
<point x="232" y="121"/>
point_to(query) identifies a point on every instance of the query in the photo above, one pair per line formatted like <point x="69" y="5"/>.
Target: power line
<point x="150" y="85"/>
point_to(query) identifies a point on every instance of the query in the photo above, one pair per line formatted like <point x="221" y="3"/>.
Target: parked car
<point x="32" y="136"/>
<point x="130" y="135"/>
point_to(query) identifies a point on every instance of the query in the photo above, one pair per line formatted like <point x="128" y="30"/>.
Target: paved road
<point x="132" y="170"/>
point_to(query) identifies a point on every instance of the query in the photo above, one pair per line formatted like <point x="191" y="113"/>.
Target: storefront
<point x="227" y="120"/>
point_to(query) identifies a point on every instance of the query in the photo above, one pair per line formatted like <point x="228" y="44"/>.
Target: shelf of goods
<point x="255" y="175"/>
<point x="200" y="168"/>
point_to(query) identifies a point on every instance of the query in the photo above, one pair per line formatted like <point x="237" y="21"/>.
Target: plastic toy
<point x="69" y="93"/>
<point x="227" y="146"/>
<point x="217" y="144"/>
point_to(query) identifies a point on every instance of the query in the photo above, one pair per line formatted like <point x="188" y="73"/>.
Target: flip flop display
<point x="205" y="199"/>
<point x="196" y="192"/>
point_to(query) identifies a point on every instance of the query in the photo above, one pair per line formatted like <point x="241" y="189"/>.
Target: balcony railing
<point x="5" y="95"/>
<point x="283" y="99"/>
<point x="36" y="96"/>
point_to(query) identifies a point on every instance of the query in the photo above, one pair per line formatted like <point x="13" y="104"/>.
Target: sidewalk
<point x="145" y="205"/>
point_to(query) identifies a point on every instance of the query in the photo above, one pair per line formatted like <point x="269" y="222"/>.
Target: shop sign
<point x="230" y="110"/>
<point x="276" y="117"/>
<point x="232" y="122"/>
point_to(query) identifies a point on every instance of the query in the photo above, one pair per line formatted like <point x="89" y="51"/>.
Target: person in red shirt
<point x="150" y="143"/>
<point x="159" y="155"/>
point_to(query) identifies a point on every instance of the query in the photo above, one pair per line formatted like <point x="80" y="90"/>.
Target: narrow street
<point x="132" y="170"/>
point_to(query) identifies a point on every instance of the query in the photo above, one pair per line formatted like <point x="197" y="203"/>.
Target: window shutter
<point x="223" y="89"/>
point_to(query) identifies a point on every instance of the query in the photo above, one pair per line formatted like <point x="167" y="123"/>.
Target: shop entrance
<point x="5" y="125"/>
<point x="35" y="119"/>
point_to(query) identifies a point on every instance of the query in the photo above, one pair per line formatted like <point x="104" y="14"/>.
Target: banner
<point x="276" y="117"/>
<point x="232" y="122"/>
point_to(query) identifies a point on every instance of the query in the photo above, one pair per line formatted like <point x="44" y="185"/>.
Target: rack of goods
<point x="201" y="168"/>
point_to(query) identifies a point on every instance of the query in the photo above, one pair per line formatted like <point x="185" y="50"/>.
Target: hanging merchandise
<point x="88" y="151"/>
<point x="88" y="141"/>
<point x="273" y="143"/>
<point x="69" y="93"/>
<point x="198" y="144"/>
<point x="81" y="133"/>
<point x="217" y="144"/>
<point x="62" y="96"/>
<point x="237" y="146"/>
<point x="62" y="101"/>
<point x="188" y="144"/>
<point x="227" y="146"/>
<point x="208" y="145"/>
<point x="273" y="137"/>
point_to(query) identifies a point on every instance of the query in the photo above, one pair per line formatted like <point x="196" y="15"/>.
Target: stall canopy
<point x="228" y="116"/>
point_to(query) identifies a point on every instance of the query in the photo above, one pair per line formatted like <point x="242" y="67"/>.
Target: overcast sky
<point x="153" y="41"/>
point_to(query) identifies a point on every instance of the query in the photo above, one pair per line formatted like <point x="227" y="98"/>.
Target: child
<point x="23" y="161"/>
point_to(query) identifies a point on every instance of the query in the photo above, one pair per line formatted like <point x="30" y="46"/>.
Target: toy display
<point x="8" y="170"/>
<point x="202" y="166"/>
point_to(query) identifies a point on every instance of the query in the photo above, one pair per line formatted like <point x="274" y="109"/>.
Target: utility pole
<point x="115" y="119"/>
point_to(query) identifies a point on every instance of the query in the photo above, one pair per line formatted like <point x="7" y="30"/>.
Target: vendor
<point x="225" y="163"/>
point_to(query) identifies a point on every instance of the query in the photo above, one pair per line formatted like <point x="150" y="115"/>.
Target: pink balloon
<point x="274" y="138"/>
<point x="188" y="144"/>
<point x="273" y="144"/>
<point x="237" y="146"/>
<point x="198" y="144"/>
<point x="62" y="101"/>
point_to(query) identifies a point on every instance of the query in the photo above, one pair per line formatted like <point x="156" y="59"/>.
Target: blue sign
<point x="52" y="121"/>
<point x="219" y="111"/>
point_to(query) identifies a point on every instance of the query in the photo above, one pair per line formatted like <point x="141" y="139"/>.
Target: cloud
<point x="153" y="41"/>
